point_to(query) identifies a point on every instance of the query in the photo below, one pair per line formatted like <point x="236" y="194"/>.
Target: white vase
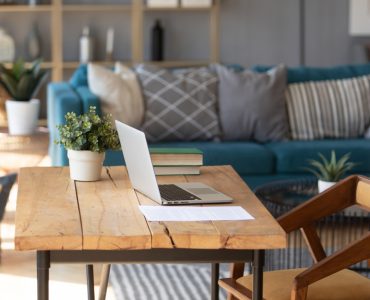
<point x="22" y="116"/>
<point x="85" y="165"/>
<point x="324" y="185"/>
<point x="7" y="47"/>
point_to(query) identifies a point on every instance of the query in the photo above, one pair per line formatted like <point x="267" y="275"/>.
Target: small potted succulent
<point x="329" y="172"/>
<point x="86" y="138"/>
<point x="22" y="84"/>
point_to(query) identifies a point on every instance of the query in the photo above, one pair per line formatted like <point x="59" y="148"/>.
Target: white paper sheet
<point x="205" y="213"/>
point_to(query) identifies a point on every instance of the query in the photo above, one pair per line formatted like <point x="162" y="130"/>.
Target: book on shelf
<point x="176" y="157"/>
<point x="177" y="170"/>
<point x="162" y="3"/>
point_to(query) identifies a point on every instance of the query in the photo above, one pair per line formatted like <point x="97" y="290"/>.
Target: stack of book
<point x="176" y="161"/>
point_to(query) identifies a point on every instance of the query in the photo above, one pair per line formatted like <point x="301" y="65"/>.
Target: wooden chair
<point x="328" y="278"/>
<point x="6" y="183"/>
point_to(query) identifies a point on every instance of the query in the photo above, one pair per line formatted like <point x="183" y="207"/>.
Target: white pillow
<point x="119" y="92"/>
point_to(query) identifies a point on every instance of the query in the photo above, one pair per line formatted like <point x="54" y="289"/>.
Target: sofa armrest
<point x="88" y="99"/>
<point x="61" y="98"/>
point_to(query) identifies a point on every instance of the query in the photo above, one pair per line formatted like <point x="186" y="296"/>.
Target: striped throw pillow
<point x="329" y="109"/>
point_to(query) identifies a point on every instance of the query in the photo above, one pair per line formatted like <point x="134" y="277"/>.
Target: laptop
<point x="141" y="173"/>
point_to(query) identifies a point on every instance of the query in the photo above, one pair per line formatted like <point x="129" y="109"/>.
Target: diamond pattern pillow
<point x="181" y="106"/>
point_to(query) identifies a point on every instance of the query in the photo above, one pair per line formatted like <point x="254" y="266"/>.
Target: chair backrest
<point x="6" y="183"/>
<point x="363" y="193"/>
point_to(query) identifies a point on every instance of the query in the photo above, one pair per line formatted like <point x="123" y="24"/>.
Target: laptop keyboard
<point x="172" y="192"/>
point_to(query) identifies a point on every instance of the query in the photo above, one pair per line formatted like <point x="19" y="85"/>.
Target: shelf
<point x="44" y="65"/>
<point x="26" y="8"/>
<point x="179" y="63"/>
<point x="177" y="9"/>
<point x="76" y="64"/>
<point x="97" y="8"/>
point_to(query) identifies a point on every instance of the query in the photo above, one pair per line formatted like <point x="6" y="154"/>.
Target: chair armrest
<point x="336" y="198"/>
<point x="61" y="98"/>
<point x="88" y="99"/>
<point x="355" y="252"/>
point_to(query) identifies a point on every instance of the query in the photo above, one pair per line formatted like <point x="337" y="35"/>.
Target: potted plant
<point x="330" y="171"/>
<point x="86" y="138"/>
<point x="22" y="84"/>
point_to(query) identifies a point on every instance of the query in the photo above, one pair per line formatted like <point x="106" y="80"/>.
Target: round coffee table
<point x="335" y="231"/>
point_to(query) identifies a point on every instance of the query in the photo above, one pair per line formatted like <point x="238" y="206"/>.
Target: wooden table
<point x="99" y="222"/>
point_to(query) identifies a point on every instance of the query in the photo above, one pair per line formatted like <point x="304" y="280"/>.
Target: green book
<point x="176" y="156"/>
<point x="175" y="151"/>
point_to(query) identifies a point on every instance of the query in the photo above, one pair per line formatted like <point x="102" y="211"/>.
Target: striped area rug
<point x="163" y="282"/>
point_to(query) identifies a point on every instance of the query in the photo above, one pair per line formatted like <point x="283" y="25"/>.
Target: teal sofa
<point x="256" y="163"/>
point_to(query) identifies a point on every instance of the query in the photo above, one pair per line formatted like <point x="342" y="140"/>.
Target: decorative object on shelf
<point x="162" y="3"/>
<point x="329" y="172"/>
<point x="33" y="2"/>
<point x="110" y="44"/>
<point x="33" y="43"/>
<point x="86" y="46"/>
<point x="6" y="2"/>
<point x="7" y="48"/>
<point x="157" y="42"/>
<point x="86" y="138"/>
<point x="196" y="3"/>
<point x="22" y="83"/>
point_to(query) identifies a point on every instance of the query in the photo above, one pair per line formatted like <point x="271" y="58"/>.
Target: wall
<point x="267" y="32"/>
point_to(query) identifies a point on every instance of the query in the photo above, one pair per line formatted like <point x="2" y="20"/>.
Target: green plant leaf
<point x="10" y="84"/>
<point x="333" y="169"/>
<point x="25" y="87"/>
<point x="18" y="68"/>
<point x="88" y="132"/>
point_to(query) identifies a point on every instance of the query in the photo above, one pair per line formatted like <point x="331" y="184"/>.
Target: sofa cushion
<point x="79" y="77"/>
<point x="251" y="105"/>
<point x="179" y="106"/>
<point x="245" y="157"/>
<point x="329" y="108"/>
<point x="303" y="74"/>
<point x="118" y="91"/>
<point x="293" y="156"/>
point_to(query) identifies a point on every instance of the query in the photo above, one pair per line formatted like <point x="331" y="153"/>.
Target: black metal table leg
<point x="43" y="266"/>
<point x="258" y="261"/>
<point x="90" y="282"/>
<point x="215" y="277"/>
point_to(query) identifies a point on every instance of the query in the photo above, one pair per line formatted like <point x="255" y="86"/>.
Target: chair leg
<point x="300" y="294"/>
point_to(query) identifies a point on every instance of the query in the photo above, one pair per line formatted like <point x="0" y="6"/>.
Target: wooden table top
<point x="57" y="213"/>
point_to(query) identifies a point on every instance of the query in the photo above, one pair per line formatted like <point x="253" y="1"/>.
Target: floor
<point x="17" y="269"/>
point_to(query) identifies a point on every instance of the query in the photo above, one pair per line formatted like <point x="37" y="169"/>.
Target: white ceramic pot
<point x="22" y="116"/>
<point x="324" y="185"/>
<point x="85" y="165"/>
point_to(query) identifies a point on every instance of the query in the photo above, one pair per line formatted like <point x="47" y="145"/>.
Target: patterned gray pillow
<point x="181" y="106"/>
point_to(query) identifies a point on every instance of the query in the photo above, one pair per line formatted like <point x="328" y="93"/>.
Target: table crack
<point x="79" y="213"/>
<point x="167" y="232"/>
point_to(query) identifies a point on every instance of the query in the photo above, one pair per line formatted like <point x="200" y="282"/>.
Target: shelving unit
<point x="136" y="10"/>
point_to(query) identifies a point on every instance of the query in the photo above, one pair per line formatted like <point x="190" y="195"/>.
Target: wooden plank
<point x="137" y="39"/>
<point x="192" y="235"/>
<point x="97" y="8"/>
<point x="313" y="242"/>
<point x="363" y="193"/>
<point x="110" y="216"/>
<point x="264" y="232"/>
<point x="261" y="233"/>
<point x="57" y="40"/>
<point x="47" y="216"/>
<point x="214" y="32"/>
